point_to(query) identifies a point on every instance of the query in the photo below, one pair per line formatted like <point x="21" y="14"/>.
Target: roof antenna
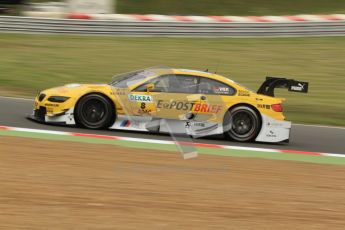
<point x="217" y="67"/>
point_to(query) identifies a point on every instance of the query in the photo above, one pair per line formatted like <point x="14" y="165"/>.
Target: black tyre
<point x="242" y="124"/>
<point x="94" y="111"/>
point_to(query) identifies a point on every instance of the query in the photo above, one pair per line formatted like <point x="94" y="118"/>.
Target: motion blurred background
<point x="216" y="7"/>
<point x="31" y="62"/>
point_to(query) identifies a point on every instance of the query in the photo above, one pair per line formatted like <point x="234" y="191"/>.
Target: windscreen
<point x="128" y="79"/>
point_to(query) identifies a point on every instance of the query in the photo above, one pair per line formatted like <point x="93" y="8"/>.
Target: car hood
<point x="72" y="90"/>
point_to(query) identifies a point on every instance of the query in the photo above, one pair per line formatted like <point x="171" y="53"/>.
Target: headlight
<point x="58" y="99"/>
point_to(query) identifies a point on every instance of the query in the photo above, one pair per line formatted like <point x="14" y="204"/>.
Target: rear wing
<point x="268" y="86"/>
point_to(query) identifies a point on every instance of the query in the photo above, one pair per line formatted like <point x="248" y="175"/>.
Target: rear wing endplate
<point x="268" y="86"/>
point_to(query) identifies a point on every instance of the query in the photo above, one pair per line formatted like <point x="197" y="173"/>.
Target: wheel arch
<point x="112" y="103"/>
<point x="248" y="105"/>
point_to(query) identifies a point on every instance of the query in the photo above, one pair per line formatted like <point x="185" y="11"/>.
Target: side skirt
<point x="147" y="124"/>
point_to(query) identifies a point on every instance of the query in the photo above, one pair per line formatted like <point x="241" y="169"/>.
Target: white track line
<point x="321" y="126"/>
<point x="41" y="131"/>
<point x="17" y="98"/>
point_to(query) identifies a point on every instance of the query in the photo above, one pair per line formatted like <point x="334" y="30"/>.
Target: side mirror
<point x="150" y="87"/>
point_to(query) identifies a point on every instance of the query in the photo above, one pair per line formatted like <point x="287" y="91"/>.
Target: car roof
<point x="202" y="74"/>
<point x="191" y="71"/>
<point x="168" y="70"/>
<point x="163" y="70"/>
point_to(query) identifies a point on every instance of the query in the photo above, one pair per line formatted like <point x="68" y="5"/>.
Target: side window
<point x="142" y="88"/>
<point x="210" y="86"/>
<point x="172" y="84"/>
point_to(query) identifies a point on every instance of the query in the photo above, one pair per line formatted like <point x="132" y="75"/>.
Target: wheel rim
<point x="93" y="111"/>
<point x="243" y="124"/>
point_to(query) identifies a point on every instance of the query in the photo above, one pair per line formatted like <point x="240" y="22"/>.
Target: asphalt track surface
<point x="13" y="112"/>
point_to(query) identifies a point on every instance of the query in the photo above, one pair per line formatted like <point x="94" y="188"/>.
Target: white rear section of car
<point x="273" y="130"/>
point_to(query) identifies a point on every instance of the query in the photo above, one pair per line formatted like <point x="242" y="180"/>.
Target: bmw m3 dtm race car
<point x="181" y="101"/>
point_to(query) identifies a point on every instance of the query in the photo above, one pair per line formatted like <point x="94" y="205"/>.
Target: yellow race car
<point x="161" y="99"/>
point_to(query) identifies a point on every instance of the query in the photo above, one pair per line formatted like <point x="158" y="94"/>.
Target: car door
<point x="170" y="97"/>
<point x="209" y="110"/>
<point x="216" y="97"/>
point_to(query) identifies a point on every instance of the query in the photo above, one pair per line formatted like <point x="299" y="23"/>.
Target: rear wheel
<point x="242" y="124"/>
<point x="94" y="111"/>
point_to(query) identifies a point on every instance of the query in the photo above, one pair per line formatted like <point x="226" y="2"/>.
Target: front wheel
<point x="242" y="124"/>
<point x="94" y="111"/>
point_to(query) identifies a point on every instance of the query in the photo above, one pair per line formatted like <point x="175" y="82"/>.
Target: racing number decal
<point x="144" y="109"/>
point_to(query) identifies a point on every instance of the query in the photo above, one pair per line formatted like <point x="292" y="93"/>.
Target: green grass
<point x="29" y="63"/>
<point x="232" y="7"/>
<point x="229" y="7"/>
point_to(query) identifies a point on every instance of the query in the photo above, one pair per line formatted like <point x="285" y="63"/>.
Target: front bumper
<point x="40" y="115"/>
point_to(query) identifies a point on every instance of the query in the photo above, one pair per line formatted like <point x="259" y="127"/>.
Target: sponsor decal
<point x="192" y="106"/>
<point x="199" y="124"/>
<point x="140" y="98"/>
<point x="243" y="93"/>
<point x="206" y="108"/>
<point x="299" y="86"/>
<point x="201" y="127"/>
<point x="51" y="105"/>
<point x="145" y="111"/>
<point x="195" y="124"/>
<point x="125" y="123"/>
<point x="221" y="90"/>
<point x="178" y="105"/>
<point x="129" y="124"/>
<point x="262" y="106"/>
<point x="271" y="134"/>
